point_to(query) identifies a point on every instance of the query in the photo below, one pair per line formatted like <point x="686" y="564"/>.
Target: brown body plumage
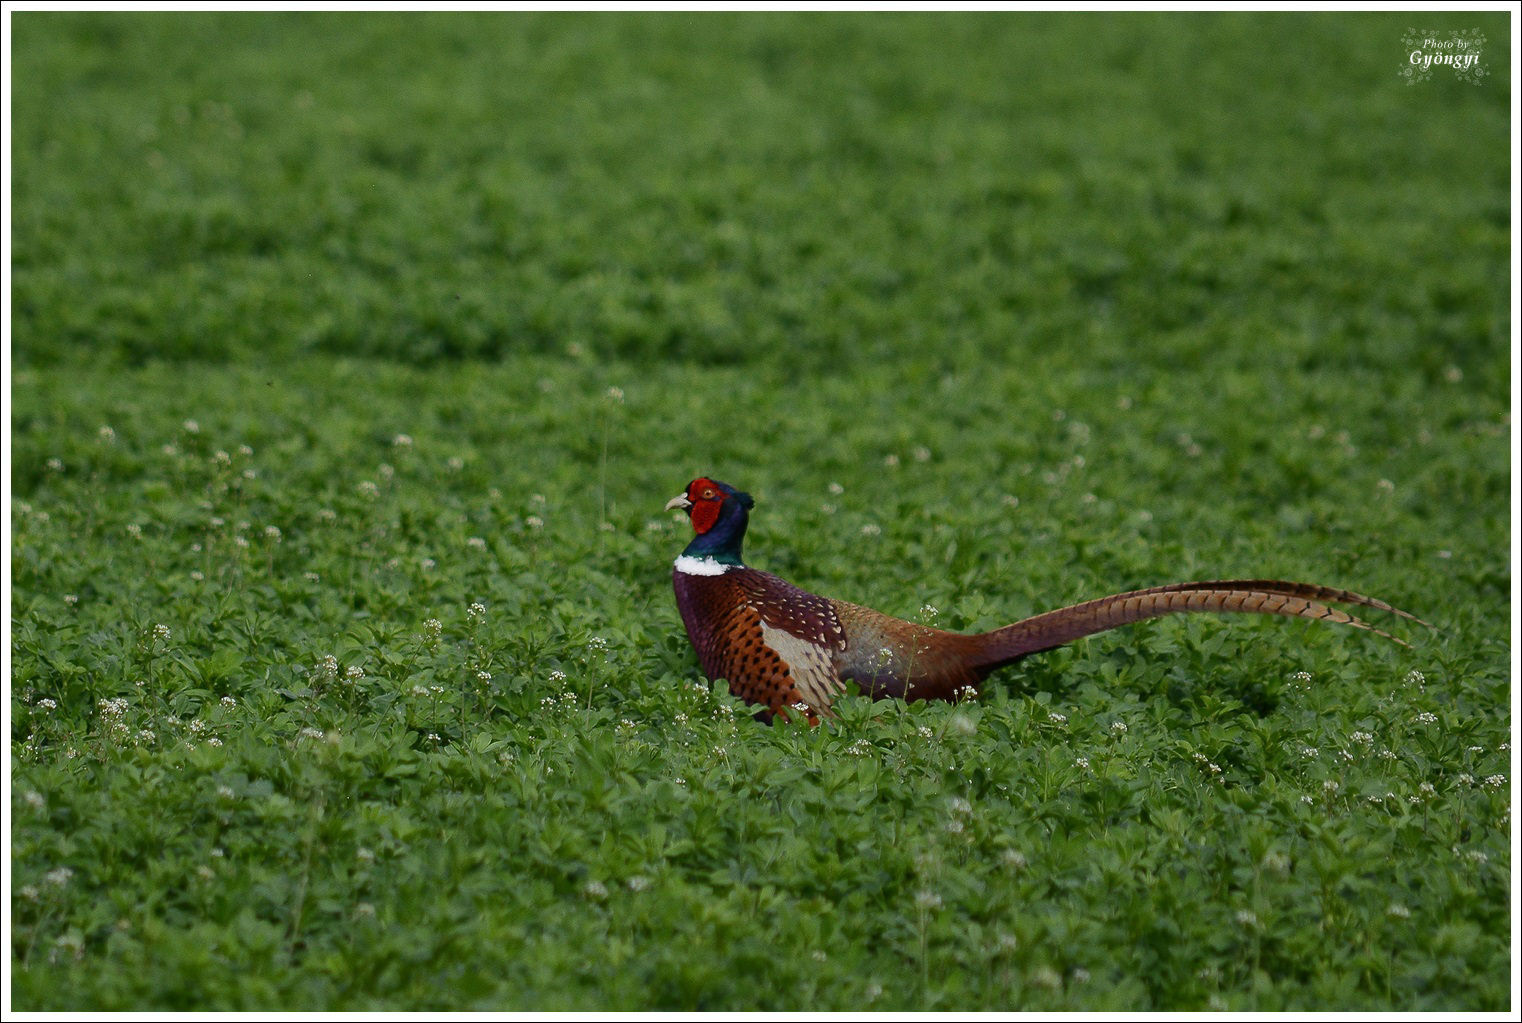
<point x="793" y="651"/>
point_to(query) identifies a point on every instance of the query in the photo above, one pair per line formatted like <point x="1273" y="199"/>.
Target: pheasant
<point x="793" y="651"/>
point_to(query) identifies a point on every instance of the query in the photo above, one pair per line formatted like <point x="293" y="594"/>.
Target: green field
<point x="354" y="357"/>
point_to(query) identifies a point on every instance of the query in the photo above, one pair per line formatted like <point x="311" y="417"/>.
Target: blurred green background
<point x="1132" y="191"/>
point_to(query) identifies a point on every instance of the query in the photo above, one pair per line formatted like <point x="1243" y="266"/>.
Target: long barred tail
<point x="1249" y="596"/>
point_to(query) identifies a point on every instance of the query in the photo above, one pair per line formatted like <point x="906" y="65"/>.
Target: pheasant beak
<point x="679" y="501"/>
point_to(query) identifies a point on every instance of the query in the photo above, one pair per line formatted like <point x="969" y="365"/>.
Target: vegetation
<point x="355" y="356"/>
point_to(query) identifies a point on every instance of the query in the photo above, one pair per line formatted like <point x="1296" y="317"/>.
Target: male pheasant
<point x="791" y="650"/>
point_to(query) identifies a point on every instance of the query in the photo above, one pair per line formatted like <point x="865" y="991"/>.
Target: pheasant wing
<point x="788" y="645"/>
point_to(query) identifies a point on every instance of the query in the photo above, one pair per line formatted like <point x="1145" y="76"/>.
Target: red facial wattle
<point x="704" y="515"/>
<point x="707" y="501"/>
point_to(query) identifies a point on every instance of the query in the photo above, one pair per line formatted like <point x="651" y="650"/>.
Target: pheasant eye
<point x="708" y="494"/>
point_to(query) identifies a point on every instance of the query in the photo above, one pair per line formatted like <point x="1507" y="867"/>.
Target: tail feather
<point x="1248" y="596"/>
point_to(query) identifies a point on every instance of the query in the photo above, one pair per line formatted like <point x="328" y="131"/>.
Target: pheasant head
<point x="719" y="514"/>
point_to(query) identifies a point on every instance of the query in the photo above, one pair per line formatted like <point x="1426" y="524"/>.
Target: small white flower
<point x="1057" y="719"/>
<point x="1045" y="976"/>
<point x="368" y="488"/>
<point x="364" y="855"/>
<point x="534" y="522"/>
<point x="191" y="426"/>
<point x="71" y="599"/>
<point x="58" y="877"/>
<point x="1495" y="781"/>
<point x="476" y="543"/>
<point x="272" y="534"/>
<point x="354" y="673"/>
<point x="309" y="733"/>
<point x="401" y="440"/>
<point x="1118" y="727"/>
<point x="927" y="900"/>
<point x="871" y="529"/>
<point x="1013" y="859"/>
<point x="557" y="675"/>
<point x="1082" y="763"/>
<point x="455" y="463"/>
<point x="34" y="799"/>
<point x="595" y="890"/>
<point x="1426" y="717"/>
<point x="836" y="489"/>
<point x="134" y="530"/>
<point x="616" y="395"/>
<point x="1362" y="738"/>
<point x="229" y="702"/>
<point x="107" y="434"/>
<point x="637" y="883"/>
<point x="1247" y="918"/>
<point x="1398" y="911"/>
<point x="47" y="703"/>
